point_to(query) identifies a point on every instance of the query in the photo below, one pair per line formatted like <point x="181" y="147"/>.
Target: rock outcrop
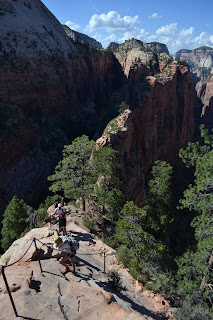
<point x="200" y="61"/>
<point x="160" y="119"/>
<point x="87" y="294"/>
<point x="82" y="38"/>
<point x="157" y="47"/>
<point x="112" y="46"/>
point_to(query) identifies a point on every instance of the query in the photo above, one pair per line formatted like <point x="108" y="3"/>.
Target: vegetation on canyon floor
<point x="141" y="236"/>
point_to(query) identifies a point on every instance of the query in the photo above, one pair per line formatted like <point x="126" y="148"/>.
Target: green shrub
<point x="114" y="279"/>
<point x="124" y="255"/>
<point x="89" y="223"/>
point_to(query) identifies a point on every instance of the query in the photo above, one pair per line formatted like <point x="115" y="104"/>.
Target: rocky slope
<point x="82" y="38"/>
<point x="200" y="61"/>
<point x="87" y="294"/>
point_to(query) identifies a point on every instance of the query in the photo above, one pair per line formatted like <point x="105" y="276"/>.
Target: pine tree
<point x="158" y="208"/>
<point x="106" y="169"/>
<point x="14" y="221"/>
<point x="73" y="175"/>
<point x="195" y="266"/>
<point x="144" y="251"/>
<point x="89" y="172"/>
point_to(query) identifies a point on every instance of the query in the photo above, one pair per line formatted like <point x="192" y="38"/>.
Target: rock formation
<point x="157" y="47"/>
<point x="82" y="38"/>
<point x="200" y="61"/>
<point x="112" y="46"/>
<point x="160" y="119"/>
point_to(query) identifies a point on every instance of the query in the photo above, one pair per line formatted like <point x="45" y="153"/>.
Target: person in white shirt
<point x="68" y="253"/>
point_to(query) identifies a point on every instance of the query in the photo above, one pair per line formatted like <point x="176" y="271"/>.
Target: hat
<point x="59" y="205"/>
<point x="57" y="241"/>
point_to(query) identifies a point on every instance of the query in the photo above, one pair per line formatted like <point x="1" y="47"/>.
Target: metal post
<point x="104" y="262"/>
<point x="9" y="292"/>
<point x="37" y="254"/>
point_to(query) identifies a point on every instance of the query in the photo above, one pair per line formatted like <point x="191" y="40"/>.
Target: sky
<point x="183" y="24"/>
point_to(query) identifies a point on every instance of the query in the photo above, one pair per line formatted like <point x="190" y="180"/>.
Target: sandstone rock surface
<point x="83" y="295"/>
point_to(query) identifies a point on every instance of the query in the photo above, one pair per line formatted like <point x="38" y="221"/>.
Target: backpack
<point x="61" y="214"/>
<point x="74" y="244"/>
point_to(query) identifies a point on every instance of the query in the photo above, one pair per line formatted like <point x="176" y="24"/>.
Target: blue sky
<point x="183" y="24"/>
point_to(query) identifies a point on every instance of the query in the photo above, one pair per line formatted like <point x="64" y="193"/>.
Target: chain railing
<point x="3" y="267"/>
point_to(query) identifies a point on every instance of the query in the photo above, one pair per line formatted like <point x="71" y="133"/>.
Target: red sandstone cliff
<point x="158" y="126"/>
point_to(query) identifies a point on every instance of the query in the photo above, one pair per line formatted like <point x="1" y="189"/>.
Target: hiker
<point x="56" y="205"/>
<point x="62" y="222"/>
<point x="67" y="253"/>
<point x="63" y="203"/>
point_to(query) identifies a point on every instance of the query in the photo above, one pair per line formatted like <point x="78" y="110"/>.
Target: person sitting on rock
<point x="67" y="253"/>
<point x="62" y="222"/>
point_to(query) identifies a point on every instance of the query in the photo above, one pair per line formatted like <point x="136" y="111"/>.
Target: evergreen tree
<point x="89" y="173"/>
<point x="73" y="175"/>
<point x="14" y="221"/>
<point x="195" y="266"/>
<point x="158" y="208"/>
<point x="106" y="169"/>
<point x="144" y="252"/>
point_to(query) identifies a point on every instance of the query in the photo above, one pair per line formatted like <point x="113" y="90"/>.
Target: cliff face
<point x="52" y="90"/>
<point x="200" y="61"/>
<point x="82" y="38"/>
<point x="158" y="47"/>
<point x="160" y="122"/>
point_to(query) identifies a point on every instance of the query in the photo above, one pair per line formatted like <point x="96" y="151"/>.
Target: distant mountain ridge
<point x="154" y="46"/>
<point x="200" y="61"/>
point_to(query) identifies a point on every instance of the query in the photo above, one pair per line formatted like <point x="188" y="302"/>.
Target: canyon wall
<point x="160" y="119"/>
<point x="52" y="90"/>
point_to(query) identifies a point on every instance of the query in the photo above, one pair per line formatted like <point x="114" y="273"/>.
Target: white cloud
<point x="155" y="16"/>
<point x="105" y="41"/>
<point x="112" y="22"/>
<point x="169" y="29"/>
<point x="121" y="29"/>
<point x="72" y="25"/>
<point x="186" y="32"/>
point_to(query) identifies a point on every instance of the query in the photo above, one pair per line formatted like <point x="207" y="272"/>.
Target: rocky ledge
<point x="86" y="294"/>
